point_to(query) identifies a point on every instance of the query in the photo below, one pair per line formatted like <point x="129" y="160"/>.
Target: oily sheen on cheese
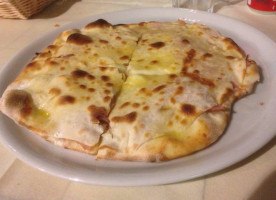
<point x="152" y="91"/>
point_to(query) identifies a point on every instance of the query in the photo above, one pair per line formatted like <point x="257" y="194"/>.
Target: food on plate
<point x="151" y="91"/>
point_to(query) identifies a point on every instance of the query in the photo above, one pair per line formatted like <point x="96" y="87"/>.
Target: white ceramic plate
<point x="251" y="127"/>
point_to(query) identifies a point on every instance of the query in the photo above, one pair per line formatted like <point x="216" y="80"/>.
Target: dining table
<point x="252" y="178"/>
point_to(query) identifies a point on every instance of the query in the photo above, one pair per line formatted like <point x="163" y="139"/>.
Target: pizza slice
<point x="99" y="44"/>
<point x="159" y="118"/>
<point x="64" y="102"/>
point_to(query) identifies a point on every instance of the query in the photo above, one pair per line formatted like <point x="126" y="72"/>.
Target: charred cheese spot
<point x="91" y="89"/>
<point x="190" y="55"/>
<point x="106" y="98"/>
<point x="173" y="76"/>
<point x="124" y="58"/>
<point x="54" y="91"/>
<point x="124" y="104"/>
<point x="199" y="79"/>
<point x="82" y="86"/>
<point x="109" y="84"/>
<point x="230" y="57"/>
<point x="207" y="55"/>
<point x="160" y="87"/>
<point x="99" y="115"/>
<point x="128" y="118"/>
<point x="179" y="91"/>
<point x="100" y="23"/>
<point x="103" y="69"/>
<point x="105" y="78"/>
<point x="66" y="99"/>
<point x="78" y="39"/>
<point x="135" y="105"/>
<point x="185" y="41"/>
<point x="188" y="109"/>
<point x="81" y="74"/>
<point x="144" y="40"/>
<point x="157" y="45"/>
<point x="104" y="41"/>
<point x="19" y="100"/>
<point x="154" y="62"/>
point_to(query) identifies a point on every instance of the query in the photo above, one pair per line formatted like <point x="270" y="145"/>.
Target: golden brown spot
<point x="145" y="108"/>
<point x="142" y="90"/>
<point x="261" y="103"/>
<point x="103" y="69"/>
<point x="104" y="41"/>
<point x="78" y="39"/>
<point x="154" y="62"/>
<point x="107" y="92"/>
<point x="106" y="98"/>
<point x="177" y="117"/>
<point x="95" y="54"/>
<point x="62" y="68"/>
<point x="123" y="42"/>
<point x="124" y="58"/>
<point x="199" y="33"/>
<point x="51" y="47"/>
<point x="135" y="105"/>
<point x="54" y="91"/>
<point x="140" y="60"/>
<point x="128" y="118"/>
<point x="82" y="86"/>
<point x="172" y="100"/>
<point x="100" y="23"/>
<point x="91" y="89"/>
<point x="179" y="90"/>
<point x="161" y="99"/>
<point x="53" y="63"/>
<point x="157" y="45"/>
<point x="20" y="100"/>
<point x="199" y="79"/>
<point x="32" y="64"/>
<point x="99" y="115"/>
<point x="230" y="57"/>
<point x="188" y="109"/>
<point x="160" y="87"/>
<point x="196" y="71"/>
<point x="207" y="55"/>
<point x="146" y="134"/>
<point x="170" y="123"/>
<point x="185" y="41"/>
<point x="66" y="99"/>
<point x="124" y="104"/>
<point x="87" y="98"/>
<point x="81" y="74"/>
<point x="190" y="55"/>
<point x="144" y="40"/>
<point x="118" y="38"/>
<point x="173" y="76"/>
<point x="183" y="121"/>
<point x="232" y="45"/>
<point x="105" y="78"/>
<point x="109" y="84"/>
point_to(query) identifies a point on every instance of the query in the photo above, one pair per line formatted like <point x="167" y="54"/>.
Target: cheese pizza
<point x="151" y="91"/>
